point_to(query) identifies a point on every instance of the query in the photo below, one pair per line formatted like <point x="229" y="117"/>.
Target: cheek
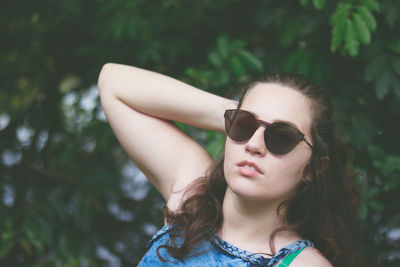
<point x="227" y="156"/>
<point x="292" y="167"/>
<point x="231" y="157"/>
<point x="230" y="149"/>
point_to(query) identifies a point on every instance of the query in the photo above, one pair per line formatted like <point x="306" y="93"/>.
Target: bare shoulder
<point x="310" y="257"/>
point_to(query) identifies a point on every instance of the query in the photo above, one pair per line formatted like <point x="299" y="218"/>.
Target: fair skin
<point x="139" y="106"/>
<point x="252" y="198"/>
<point x="256" y="195"/>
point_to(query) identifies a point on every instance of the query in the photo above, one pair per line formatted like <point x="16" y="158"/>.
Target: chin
<point x="246" y="190"/>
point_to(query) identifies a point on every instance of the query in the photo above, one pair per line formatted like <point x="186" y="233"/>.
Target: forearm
<point x="164" y="97"/>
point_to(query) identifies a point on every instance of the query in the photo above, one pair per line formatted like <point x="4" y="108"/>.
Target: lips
<point x="249" y="168"/>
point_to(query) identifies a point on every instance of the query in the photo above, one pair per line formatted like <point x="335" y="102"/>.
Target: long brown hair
<point x="323" y="210"/>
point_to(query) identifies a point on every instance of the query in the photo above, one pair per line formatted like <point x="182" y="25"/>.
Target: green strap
<point x="289" y="258"/>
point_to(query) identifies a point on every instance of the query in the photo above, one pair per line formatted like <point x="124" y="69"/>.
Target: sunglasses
<point x="280" y="138"/>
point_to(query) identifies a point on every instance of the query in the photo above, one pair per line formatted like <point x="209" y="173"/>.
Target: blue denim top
<point x="214" y="252"/>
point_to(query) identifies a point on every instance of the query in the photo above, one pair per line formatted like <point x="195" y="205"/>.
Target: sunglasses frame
<point x="228" y="117"/>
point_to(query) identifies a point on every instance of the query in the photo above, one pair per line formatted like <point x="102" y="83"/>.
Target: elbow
<point x="105" y="76"/>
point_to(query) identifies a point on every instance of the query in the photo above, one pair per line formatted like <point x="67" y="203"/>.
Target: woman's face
<point x="279" y="175"/>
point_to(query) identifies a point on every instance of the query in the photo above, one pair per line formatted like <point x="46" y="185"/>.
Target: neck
<point x="248" y="224"/>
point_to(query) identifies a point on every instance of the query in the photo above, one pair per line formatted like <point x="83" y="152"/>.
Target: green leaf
<point x="304" y="2"/>
<point x="383" y="84"/>
<point x="362" y="131"/>
<point x="319" y="4"/>
<point x="293" y="59"/>
<point x="192" y="73"/>
<point x="223" y="46"/>
<point x="6" y="247"/>
<point x="341" y="13"/>
<point x="361" y="29"/>
<point x="367" y="17"/>
<point x="392" y="13"/>
<point x="215" y="59"/>
<point x="251" y="61"/>
<point x="396" y="86"/>
<point x="223" y="77"/>
<point x="319" y="71"/>
<point x="351" y="41"/>
<point x="290" y="31"/>
<point x="376" y="152"/>
<point x="338" y="34"/>
<point x="376" y="205"/>
<point x="363" y="211"/>
<point x="395" y="61"/>
<point x="7" y="242"/>
<point x="33" y="237"/>
<point x="375" y="68"/>
<point x="237" y="45"/>
<point x="299" y="61"/>
<point x="372" y="192"/>
<point x="391" y="183"/>
<point x="395" y="45"/>
<point x="371" y="5"/>
<point x="305" y="63"/>
<point x="237" y="66"/>
<point x="392" y="164"/>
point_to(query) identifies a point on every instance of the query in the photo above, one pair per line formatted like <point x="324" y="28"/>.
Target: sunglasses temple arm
<point x="308" y="143"/>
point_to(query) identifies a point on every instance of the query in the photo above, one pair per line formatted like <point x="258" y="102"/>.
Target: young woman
<point x="281" y="194"/>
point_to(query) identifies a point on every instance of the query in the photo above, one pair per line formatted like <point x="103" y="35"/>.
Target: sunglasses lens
<point x="240" y="125"/>
<point x="280" y="138"/>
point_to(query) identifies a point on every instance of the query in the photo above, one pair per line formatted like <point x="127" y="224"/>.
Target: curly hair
<point x="323" y="209"/>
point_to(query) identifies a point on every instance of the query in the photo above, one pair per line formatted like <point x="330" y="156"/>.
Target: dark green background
<point x="70" y="197"/>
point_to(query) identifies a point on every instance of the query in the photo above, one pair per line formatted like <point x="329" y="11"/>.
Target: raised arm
<point x="139" y="106"/>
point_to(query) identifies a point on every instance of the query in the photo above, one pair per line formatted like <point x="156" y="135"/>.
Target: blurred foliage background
<point x="69" y="194"/>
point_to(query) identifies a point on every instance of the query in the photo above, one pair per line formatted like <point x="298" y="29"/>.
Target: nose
<point x="256" y="144"/>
